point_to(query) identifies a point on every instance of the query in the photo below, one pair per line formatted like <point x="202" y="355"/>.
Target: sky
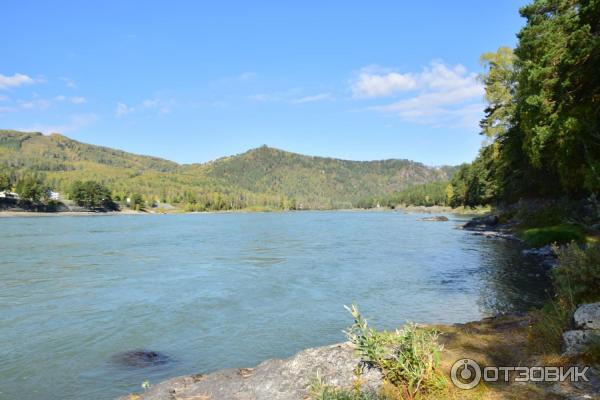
<point x="195" y="81"/>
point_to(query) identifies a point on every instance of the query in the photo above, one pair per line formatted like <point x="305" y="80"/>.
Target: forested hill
<point x="264" y="176"/>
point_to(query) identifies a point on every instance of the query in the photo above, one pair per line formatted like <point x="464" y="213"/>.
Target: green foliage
<point x="5" y="183"/>
<point x="321" y="391"/>
<point x="577" y="277"/>
<point x="408" y="358"/>
<point x="545" y="334"/>
<point x="92" y="195"/>
<point x="32" y="188"/>
<point x="563" y="233"/>
<point x="591" y="353"/>
<point x="576" y="281"/>
<point x="542" y="118"/>
<point x="472" y="185"/>
<point x="136" y="201"/>
<point x="500" y="90"/>
<point x="262" y="178"/>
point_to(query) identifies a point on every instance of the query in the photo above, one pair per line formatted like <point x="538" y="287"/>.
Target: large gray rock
<point x="437" y="218"/>
<point x="482" y="223"/>
<point x="574" y="342"/>
<point x="288" y="379"/>
<point x="587" y="316"/>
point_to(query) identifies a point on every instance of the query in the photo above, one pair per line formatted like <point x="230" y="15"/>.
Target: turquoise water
<point x="227" y="290"/>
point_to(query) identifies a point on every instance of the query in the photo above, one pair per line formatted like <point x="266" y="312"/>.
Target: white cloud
<point x="74" y="123"/>
<point x="70" y="83"/>
<point x="15" y="80"/>
<point x="371" y="83"/>
<point x="246" y="76"/>
<point x="263" y="97"/>
<point x="3" y="98"/>
<point x="159" y="106"/>
<point x="37" y="104"/>
<point x="442" y="95"/>
<point x="123" y="109"/>
<point x="78" y="100"/>
<point x="150" y="103"/>
<point x="313" y="98"/>
<point x="73" y="100"/>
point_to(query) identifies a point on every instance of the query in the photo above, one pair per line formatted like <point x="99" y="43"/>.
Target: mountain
<point x="263" y="176"/>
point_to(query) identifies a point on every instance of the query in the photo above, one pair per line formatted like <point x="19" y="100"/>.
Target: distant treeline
<point x="262" y="178"/>
<point x="429" y="194"/>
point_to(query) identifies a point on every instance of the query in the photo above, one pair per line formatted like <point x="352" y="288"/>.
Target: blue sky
<point x="194" y="81"/>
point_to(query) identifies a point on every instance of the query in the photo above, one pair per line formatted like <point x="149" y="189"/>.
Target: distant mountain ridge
<point x="262" y="174"/>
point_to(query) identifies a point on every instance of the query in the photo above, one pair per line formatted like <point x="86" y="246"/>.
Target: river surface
<point x="216" y="291"/>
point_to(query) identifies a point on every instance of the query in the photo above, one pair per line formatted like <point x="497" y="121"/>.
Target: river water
<point x="214" y="291"/>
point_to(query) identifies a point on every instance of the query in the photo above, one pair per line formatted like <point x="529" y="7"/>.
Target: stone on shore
<point x="588" y="316"/>
<point x="587" y="319"/>
<point x="288" y="379"/>
<point x="437" y="218"/>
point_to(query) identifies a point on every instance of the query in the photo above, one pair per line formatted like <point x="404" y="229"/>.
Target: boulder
<point x="574" y="342"/>
<point x="482" y="223"/>
<point x="140" y="358"/>
<point x="437" y="218"/>
<point x="587" y="316"/>
<point x="288" y="379"/>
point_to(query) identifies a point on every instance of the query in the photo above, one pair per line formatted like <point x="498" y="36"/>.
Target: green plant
<point x="576" y="281"/>
<point x="577" y="277"/>
<point x="409" y="358"/>
<point x="545" y="334"/>
<point x="321" y="391"/>
<point x="562" y="233"/>
<point x="591" y="353"/>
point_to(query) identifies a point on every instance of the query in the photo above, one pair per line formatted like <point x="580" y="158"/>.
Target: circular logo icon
<point x="465" y="373"/>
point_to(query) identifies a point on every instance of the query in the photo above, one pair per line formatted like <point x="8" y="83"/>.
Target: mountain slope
<point x="259" y="176"/>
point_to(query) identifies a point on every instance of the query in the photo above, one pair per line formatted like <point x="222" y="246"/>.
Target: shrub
<point x="577" y="277"/>
<point x="409" y="358"/>
<point x="545" y="334"/>
<point x="576" y="281"/>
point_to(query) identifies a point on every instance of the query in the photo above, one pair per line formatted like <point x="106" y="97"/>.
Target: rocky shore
<point x="500" y="340"/>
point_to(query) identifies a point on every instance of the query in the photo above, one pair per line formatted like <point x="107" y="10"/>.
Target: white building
<point x="54" y="195"/>
<point x="6" y="194"/>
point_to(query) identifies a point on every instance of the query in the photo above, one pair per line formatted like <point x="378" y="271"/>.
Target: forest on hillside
<point x="263" y="178"/>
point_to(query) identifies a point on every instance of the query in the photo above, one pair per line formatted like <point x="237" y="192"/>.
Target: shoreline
<point x="336" y="364"/>
<point x="406" y="210"/>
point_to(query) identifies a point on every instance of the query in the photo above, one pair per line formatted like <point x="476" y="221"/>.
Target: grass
<point x="408" y="358"/>
<point x="549" y="322"/>
<point x="561" y="233"/>
<point x="576" y="281"/>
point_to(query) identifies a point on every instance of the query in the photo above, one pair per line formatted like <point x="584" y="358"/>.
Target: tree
<point x="500" y="87"/>
<point x="92" y="195"/>
<point x="5" y="182"/>
<point x="136" y="201"/>
<point x="558" y="96"/>
<point x="32" y="188"/>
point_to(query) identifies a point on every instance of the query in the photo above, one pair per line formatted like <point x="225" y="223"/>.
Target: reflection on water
<point x="214" y="291"/>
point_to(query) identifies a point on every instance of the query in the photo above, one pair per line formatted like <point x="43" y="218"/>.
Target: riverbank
<point x="505" y="340"/>
<point x="33" y="214"/>
<point x="409" y="210"/>
<point x="496" y="341"/>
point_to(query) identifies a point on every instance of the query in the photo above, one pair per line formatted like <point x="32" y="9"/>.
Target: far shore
<point x="404" y="209"/>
